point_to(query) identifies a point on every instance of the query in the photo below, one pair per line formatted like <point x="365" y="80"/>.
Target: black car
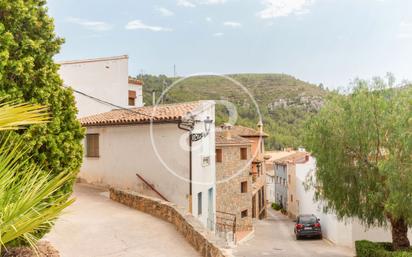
<point x="307" y="226"/>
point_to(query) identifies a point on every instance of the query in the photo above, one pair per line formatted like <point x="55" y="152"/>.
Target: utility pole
<point x="174" y="71"/>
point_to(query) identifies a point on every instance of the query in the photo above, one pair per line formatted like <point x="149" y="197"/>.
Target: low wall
<point x="194" y="232"/>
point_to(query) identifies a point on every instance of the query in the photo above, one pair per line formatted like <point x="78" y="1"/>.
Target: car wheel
<point x="320" y="237"/>
<point x="297" y="237"/>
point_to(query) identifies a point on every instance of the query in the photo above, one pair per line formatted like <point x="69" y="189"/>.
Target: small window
<point x="199" y="203"/>
<point x="132" y="97"/>
<point x="219" y="155"/>
<point x="131" y="101"/>
<point x="291" y="198"/>
<point x="243" y="187"/>
<point x="289" y="179"/>
<point x="92" y="145"/>
<point x="243" y="214"/>
<point x="243" y="153"/>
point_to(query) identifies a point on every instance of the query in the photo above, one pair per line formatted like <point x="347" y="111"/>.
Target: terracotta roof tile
<point x="166" y="112"/>
<point x="223" y="139"/>
<point x="244" y="131"/>
<point x="294" y="157"/>
<point x="135" y="82"/>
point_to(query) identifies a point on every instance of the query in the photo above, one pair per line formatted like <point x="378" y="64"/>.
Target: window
<point x="289" y="179"/>
<point x="132" y="97"/>
<point x="92" y="145"/>
<point x="243" y="187"/>
<point x="199" y="203"/>
<point x="243" y="214"/>
<point x="291" y="198"/>
<point x="243" y="153"/>
<point x="219" y="155"/>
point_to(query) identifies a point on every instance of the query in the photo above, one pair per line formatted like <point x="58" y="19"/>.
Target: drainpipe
<point x="179" y="125"/>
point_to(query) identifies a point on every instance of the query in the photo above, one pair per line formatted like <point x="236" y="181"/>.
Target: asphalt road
<point x="274" y="237"/>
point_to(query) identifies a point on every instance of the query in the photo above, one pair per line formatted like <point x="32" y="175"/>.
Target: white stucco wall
<point x="341" y="232"/>
<point x="139" y="94"/>
<point x="104" y="78"/>
<point x="270" y="188"/>
<point x="204" y="177"/>
<point x="163" y="161"/>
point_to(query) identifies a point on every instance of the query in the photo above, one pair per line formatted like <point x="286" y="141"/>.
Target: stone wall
<point x="230" y="173"/>
<point x="194" y="232"/>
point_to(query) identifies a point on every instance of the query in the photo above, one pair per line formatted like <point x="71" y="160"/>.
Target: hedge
<point x="371" y="249"/>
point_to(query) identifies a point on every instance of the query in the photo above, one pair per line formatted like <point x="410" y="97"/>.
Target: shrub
<point x="371" y="249"/>
<point x="276" y="206"/>
<point x="284" y="212"/>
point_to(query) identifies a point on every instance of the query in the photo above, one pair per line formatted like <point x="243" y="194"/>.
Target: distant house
<point x="106" y="80"/>
<point x="233" y="183"/>
<point x="150" y="151"/>
<point x="271" y="177"/>
<point x="281" y="179"/>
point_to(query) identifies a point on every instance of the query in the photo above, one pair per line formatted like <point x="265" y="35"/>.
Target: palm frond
<point x="16" y="116"/>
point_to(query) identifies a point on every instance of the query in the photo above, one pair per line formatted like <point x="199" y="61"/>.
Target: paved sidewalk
<point x="274" y="237"/>
<point x="95" y="226"/>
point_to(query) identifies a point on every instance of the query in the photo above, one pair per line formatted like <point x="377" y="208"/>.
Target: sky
<point x="319" y="41"/>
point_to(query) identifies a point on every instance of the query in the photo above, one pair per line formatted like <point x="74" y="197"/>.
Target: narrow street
<point x="274" y="237"/>
<point x="95" y="226"/>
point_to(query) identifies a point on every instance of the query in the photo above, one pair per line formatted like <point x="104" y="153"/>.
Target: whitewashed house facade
<point x="148" y="150"/>
<point x="340" y="232"/>
<point x="106" y="79"/>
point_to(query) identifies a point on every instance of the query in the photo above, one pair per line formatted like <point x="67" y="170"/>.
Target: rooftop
<point x="146" y="114"/>
<point x="242" y="131"/>
<point x="223" y="139"/>
<point x="101" y="59"/>
<point x="293" y="157"/>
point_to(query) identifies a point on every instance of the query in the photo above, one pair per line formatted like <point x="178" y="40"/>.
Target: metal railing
<point x="226" y="223"/>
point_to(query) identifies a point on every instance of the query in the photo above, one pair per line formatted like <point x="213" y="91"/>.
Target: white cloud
<point x="193" y="3"/>
<point x="91" y="25"/>
<point x="185" y="3"/>
<point x="213" y="1"/>
<point x="165" y="12"/>
<point x="279" y="8"/>
<point x="232" y="24"/>
<point x="208" y="19"/>
<point x="218" y="34"/>
<point x="138" y="24"/>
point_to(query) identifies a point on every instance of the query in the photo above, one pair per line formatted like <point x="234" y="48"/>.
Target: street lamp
<point x="188" y="123"/>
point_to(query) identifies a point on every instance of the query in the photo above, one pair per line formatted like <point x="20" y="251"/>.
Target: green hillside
<point x="284" y="101"/>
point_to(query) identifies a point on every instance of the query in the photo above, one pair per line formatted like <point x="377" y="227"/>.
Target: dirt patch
<point x="45" y="250"/>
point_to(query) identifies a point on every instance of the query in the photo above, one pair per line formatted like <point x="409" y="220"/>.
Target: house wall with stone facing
<point x="230" y="173"/>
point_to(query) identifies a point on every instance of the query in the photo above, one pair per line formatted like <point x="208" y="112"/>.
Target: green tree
<point x="363" y="145"/>
<point x="29" y="74"/>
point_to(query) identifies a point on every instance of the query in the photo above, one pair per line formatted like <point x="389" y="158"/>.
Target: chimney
<point x="226" y="130"/>
<point x="260" y="126"/>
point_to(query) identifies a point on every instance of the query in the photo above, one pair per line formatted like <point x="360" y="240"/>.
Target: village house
<point x="100" y="84"/>
<point x="257" y="173"/>
<point x="233" y="185"/>
<point x="165" y="151"/>
<point x="276" y="174"/>
<point x="282" y="178"/>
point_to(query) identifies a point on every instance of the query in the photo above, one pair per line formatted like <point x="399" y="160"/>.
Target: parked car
<point x="308" y="226"/>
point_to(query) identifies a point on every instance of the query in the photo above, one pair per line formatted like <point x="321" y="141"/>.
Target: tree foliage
<point x="29" y="74"/>
<point x="362" y="142"/>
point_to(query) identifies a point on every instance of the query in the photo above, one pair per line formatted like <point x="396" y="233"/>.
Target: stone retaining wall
<point x="202" y="240"/>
